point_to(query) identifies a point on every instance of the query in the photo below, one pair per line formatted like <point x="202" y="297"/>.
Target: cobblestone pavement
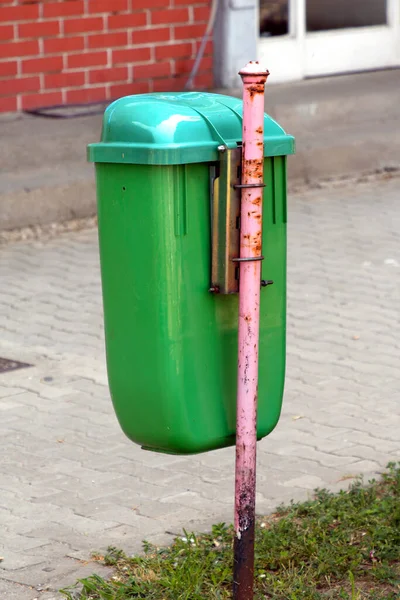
<point x="71" y="483"/>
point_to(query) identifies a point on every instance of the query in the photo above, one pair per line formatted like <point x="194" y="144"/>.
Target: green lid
<point x="173" y="129"/>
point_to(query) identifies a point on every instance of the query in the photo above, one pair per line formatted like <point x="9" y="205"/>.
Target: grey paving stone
<point x="10" y="590"/>
<point x="71" y="483"/>
<point x="17" y="560"/>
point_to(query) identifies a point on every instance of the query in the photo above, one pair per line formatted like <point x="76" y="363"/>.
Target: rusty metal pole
<point x="254" y="78"/>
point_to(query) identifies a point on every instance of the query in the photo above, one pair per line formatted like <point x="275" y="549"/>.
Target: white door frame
<point x="301" y="54"/>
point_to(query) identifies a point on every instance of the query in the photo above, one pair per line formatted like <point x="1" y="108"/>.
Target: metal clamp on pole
<point x="248" y="259"/>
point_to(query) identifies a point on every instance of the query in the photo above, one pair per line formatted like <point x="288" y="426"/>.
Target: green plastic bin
<point x="172" y="345"/>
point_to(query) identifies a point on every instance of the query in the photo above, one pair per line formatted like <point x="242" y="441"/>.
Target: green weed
<point x="343" y="546"/>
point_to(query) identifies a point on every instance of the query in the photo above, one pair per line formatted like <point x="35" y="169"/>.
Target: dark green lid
<point x="172" y="129"/>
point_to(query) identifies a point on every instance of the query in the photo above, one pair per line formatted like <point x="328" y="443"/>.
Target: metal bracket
<point x="225" y="222"/>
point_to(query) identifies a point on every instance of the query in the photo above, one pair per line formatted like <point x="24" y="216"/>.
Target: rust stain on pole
<point x="243" y="549"/>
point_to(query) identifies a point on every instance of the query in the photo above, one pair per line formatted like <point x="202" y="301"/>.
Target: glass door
<point x="310" y="38"/>
<point x="280" y="45"/>
<point x="350" y="35"/>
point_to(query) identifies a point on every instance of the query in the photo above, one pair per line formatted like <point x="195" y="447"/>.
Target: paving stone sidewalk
<point x="70" y="482"/>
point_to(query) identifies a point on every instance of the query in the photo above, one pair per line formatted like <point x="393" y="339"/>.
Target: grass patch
<point x="337" y="546"/>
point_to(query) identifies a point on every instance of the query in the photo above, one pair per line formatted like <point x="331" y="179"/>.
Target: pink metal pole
<point x="254" y="78"/>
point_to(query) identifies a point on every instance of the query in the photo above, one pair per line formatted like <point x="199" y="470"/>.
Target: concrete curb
<point x="344" y="126"/>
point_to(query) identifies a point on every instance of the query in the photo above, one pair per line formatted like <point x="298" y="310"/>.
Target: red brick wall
<point x="79" y="51"/>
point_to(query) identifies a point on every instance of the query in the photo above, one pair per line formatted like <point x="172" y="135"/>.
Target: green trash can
<point x="166" y="168"/>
